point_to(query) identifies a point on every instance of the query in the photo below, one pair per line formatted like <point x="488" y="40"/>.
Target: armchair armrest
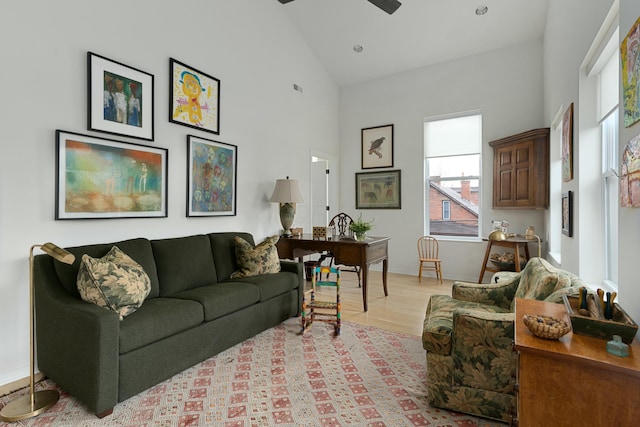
<point x="499" y="294"/>
<point x="482" y="350"/>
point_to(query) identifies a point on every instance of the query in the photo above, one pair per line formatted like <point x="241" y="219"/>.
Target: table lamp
<point x="35" y="403"/>
<point x="287" y="193"/>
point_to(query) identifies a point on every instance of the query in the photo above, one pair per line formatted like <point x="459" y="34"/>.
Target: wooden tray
<point x="621" y="324"/>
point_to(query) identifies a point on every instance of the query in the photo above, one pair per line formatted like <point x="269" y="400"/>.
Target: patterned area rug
<point x="365" y="377"/>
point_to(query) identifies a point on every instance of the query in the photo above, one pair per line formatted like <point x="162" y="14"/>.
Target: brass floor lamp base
<point x="21" y="408"/>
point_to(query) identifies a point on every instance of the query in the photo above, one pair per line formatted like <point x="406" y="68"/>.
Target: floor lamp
<point x="34" y="403"/>
<point x="287" y="193"/>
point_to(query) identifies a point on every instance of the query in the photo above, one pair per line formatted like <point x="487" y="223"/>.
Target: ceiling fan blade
<point x="388" y="6"/>
<point x="285" y="1"/>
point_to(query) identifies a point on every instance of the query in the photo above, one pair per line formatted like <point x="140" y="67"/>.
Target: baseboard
<point x="18" y="384"/>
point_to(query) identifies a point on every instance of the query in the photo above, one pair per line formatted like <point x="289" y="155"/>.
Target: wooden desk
<point x="573" y="381"/>
<point x="346" y="251"/>
<point x="514" y="243"/>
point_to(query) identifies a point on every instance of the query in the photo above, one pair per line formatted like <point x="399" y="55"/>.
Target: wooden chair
<point x="428" y="254"/>
<point x="341" y="223"/>
<point x="322" y="310"/>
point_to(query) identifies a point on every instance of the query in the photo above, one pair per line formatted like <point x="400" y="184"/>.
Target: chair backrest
<point x="323" y="269"/>
<point x="341" y="222"/>
<point x="427" y="247"/>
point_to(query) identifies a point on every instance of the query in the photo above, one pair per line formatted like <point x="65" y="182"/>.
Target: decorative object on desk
<point x="194" y="98"/>
<point x="35" y="402"/>
<point x="212" y="176"/>
<point x="630" y="72"/>
<point x="546" y="326"/>
<point x="567" y="144"/>
<point x="567" y="213"/>
<point x="360" y="227"/>
<point x="497" y="236"/>
<point x="378" y="190"/>
<point x="595" y="326"/>
<point x="297" y="231"/>
<point x="287" y="193"/>
<point x="377" y="147"/>
<point x="530" y="232"/>
<point x="617" y="347"/>
<point x="99" y="178"/>
<point x="120" y="98"/>
<point x="320" y="233"/>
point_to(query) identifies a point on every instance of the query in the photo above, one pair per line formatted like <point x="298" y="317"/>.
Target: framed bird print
<point x="377" y="147"/>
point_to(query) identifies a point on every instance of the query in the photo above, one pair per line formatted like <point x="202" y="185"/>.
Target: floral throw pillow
<point x="114" y="281"/>
<point x="263" y="259"/>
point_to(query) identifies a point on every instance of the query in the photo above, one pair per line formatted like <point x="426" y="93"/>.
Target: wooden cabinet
<point x="521" y="170"/>
<point x="572" y="381"/>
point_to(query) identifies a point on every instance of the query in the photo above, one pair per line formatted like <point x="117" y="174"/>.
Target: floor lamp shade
<point x="34" y="403"/>
<point x="287" y="193"/>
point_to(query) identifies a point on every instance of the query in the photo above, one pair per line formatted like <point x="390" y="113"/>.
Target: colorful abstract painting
<point x="630" y="174"/>
<point x="212" y="177"/>
<point x="195" y="98"/>
<point x="630" y="57"/>
<point x="101" y="178"/>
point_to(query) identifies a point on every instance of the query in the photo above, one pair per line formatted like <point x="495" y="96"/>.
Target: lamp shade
<point x="286" y="191"/>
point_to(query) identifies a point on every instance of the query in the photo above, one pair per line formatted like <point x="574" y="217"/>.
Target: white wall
<point x="248" y="44"/>
<point x="505" y="86"/>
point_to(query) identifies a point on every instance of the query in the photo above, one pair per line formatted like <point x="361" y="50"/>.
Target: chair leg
<point x="420" y="273"/>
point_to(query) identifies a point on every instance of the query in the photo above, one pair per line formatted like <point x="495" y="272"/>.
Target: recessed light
<point x="357" y="48"/>
<point x="481" y="10"/>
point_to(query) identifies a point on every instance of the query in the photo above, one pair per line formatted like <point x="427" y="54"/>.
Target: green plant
<point x="359" y="227"/>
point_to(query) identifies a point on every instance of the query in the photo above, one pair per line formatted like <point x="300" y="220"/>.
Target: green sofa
<point x="471" y="365"/>
<point x="193" y="311"/>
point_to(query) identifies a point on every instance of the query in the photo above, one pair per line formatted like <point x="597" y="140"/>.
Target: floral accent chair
<point x="471" y="364"/>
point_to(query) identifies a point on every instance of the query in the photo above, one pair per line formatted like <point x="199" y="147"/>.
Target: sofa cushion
<point x="254" y="261"/>
<point x="183" y="263"/>
<point x="438" y="322"/>
<point x="158" y="318"/>
<point x="114" y="281"/>
<point x="272" y="285"/>
<point x="538" y="280"/>
<point x="220" y="299"/>
<point x="223" y="247"/>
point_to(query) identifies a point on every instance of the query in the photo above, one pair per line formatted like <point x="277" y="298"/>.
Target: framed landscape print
<point x="194" y="98"/>
<point x="378" y="190"/>
<point x="120" y="98"/>
<point x="377" y="147"/>
<point x="101" y="178"/>
<point x="567" y="213"/>
<point x="212" y="171"/>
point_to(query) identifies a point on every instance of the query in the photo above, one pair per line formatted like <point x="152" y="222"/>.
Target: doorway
<point x="324" y="189"/>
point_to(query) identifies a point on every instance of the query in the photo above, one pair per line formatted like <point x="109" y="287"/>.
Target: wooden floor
<point x="402" y="311"/>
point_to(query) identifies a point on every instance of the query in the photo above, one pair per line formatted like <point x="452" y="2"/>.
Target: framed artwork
<point x="120" y="98"/>
<point x="212" y="179"/>
<point x="630" y="74"/>
<point x="567" y="144"/>
<point x="377" y="147"/>
<point x="630" y="174"/>
<point x="194" y="98"/>
<point x="567" y="213"/>
<point x="101" y="178"/>
<point x="378" y="190"/>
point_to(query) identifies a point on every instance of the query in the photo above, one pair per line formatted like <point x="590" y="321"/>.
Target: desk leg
<point x="516" y="251"/>
<point x="364" y="269"/>
<point x="484" y="263"/>
<point x="384" y="277"/>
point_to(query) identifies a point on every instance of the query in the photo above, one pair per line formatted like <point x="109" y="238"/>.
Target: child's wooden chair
<point x="321" y="310"/>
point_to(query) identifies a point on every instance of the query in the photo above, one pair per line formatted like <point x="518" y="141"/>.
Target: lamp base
<point x="21" y="408"/>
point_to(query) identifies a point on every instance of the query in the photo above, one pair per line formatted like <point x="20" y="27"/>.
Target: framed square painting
<point x="194" y="98"/>
<point x="101" y="178"/>
<point x="378" y="190"/>
<point x="377" y="147"/>
<point x="212" y="171"/>
<point x="567" y="213"/>
<point x="120" y="98"/>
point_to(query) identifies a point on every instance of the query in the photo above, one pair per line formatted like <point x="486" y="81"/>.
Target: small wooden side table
<point x="572" y="381"/>
<point x="515" y="243"/>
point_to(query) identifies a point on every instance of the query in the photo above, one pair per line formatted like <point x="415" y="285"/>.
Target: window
<point x="452" y="169"/>
<point x="446" y="209"/>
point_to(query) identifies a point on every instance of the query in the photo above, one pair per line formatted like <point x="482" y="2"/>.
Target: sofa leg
<point x="104" y="413"/>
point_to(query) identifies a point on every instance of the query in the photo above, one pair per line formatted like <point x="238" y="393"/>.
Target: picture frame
<point x="212" y="177"/>
<point x="567" y="213"/>
<point x="630" y="75"/>
<point x="377" y="147"/>
<point x="378" y="190"/>
<point x="120" y="98"/>
<point x="99" y="178"/>
<point x="194" y="98"/>
<point x="567" y="144"/>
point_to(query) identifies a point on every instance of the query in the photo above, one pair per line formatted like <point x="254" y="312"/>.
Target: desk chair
<point x="341" y="223"/>
<point x="321" y="310"/>
<point x="428" y="254"/>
